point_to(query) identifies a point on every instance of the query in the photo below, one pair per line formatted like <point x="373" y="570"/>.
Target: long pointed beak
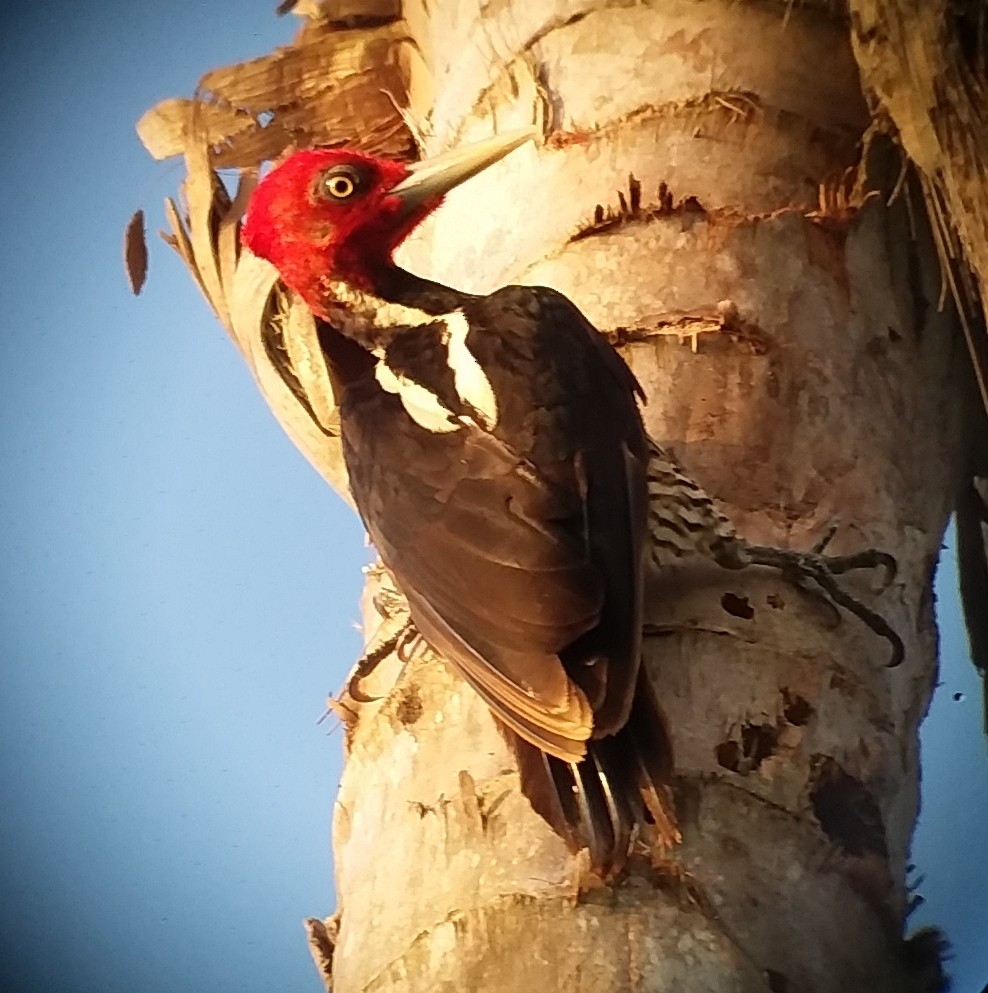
<point x="432" y="178"/>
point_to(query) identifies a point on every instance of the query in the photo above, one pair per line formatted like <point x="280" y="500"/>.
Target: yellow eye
<point x="340" y="183"/>
<point x="339" y="186"/>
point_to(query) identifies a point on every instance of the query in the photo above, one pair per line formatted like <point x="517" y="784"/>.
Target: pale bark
<point x="691" y="198"/>
<point x="829" y="395"/>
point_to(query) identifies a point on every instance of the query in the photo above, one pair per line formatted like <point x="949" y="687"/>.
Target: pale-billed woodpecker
<point x="497" y="456"/>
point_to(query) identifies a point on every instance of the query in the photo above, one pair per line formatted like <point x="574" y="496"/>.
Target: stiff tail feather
<point x="618" y="794"/>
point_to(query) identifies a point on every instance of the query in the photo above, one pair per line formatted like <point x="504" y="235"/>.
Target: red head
<point x="329" y="213"/>
<point x="335" y="214"/>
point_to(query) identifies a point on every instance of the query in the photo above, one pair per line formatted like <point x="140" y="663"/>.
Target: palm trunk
<point x="693" y="200"/>
<point x="697" y="198"/>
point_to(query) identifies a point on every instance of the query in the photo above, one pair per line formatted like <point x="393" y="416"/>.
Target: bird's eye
<point x="340" y="183"/>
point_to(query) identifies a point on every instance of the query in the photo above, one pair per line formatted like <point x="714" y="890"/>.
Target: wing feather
<point x="520" y="545"/>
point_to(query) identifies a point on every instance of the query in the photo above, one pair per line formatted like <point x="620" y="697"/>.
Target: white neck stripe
<point x="359" y="308"/>
<point x="470" y="380"/>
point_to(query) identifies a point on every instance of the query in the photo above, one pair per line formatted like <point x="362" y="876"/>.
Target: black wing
<point x="520" y="544"/>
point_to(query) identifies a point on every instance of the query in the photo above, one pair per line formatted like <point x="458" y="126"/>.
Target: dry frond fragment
<point x="331" y="86"/>
<point x="169" y="127"/>
<point x="322" y="935"/>
<point x="136" y="252"/>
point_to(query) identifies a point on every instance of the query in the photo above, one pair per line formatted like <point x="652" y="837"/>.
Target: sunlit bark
<point x="795" y="360"/>
<point x="699" y="194"/>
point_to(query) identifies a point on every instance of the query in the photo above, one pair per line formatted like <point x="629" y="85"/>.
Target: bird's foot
<point x="815" y="572"/>
<point x="404" y="642"/>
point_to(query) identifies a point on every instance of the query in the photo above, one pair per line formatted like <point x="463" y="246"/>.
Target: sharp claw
<point x="828" y="533"/>
<point x="823" y="577"/>
<point x="891" y="569"/>
<point x="803" y="568"/>
<point x="356" y="693"/>
<point x="406" y="635"/>
<point x="898" y="652"/>
<point x="407" y="644"/>
<point x="871" y="558"/>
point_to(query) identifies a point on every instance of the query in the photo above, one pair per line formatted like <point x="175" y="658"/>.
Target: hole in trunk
<point x="795" y="709"/>
<point x="409" y="708"/>
<point x="737" y="606"/>
<point x="757" y="744"/>
<point x="729" y="755"/>
<point x="847" y="812"/>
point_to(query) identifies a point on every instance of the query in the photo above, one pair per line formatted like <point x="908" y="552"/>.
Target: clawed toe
<point x="828" y="533"/>
<point x="404" y="643"/>
<point x="874" y="620"/>
<point x="815" y="572"/>
<point x="870" y="558"/>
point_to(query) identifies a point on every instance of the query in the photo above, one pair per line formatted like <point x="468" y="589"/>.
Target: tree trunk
<point x="695" y="199"/>
<point x="701" y="196"/>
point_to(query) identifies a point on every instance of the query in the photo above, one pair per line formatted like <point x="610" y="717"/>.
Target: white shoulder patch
<point x="421" y="406"/>
<point x="469" y="378"/>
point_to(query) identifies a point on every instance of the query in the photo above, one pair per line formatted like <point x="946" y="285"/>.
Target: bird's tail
<point x="617" y="797"/>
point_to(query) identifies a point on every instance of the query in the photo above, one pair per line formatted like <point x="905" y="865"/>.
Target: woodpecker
<point x="497" y="456"/>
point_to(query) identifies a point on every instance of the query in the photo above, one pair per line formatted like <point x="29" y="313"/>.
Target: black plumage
<point x="521" y="546"/>
<point x="497" y="456"/>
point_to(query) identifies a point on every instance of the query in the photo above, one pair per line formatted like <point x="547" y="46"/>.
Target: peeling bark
<point x="796" y="751"/>
<point x="698" y="196"/>
<point x="927" y="67"/>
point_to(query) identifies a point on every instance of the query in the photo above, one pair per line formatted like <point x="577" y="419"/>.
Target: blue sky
<point x="179" y="589"/>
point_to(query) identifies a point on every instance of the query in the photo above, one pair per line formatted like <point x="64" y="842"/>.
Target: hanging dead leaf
<point x="307" y="359"/>
<point x="136" y="252"/>
<point x="331" y="86"/>
<point x="292" y="74"/>
<point x="167" y="128"/>
<point x="344" y="80"/>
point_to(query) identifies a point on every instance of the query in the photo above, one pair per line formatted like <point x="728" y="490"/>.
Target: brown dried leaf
<point x="250" y="149"/>
<point x="136" y="252"/>
<point x="330" y="87"/>
<point x="914" y="60"/>
<point x="321" y="122"/>
<point x="228" y="237"/>
<point x="202" y="189"/>
<point x="293" y="74"/>
<point x="181" y="243"/>
<point x="333" y="86"/>
<point x="251" y="307"/>
<point x="167" y="127"/>
<point x="309" y="362"/>
<point x="180" y="238"/>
